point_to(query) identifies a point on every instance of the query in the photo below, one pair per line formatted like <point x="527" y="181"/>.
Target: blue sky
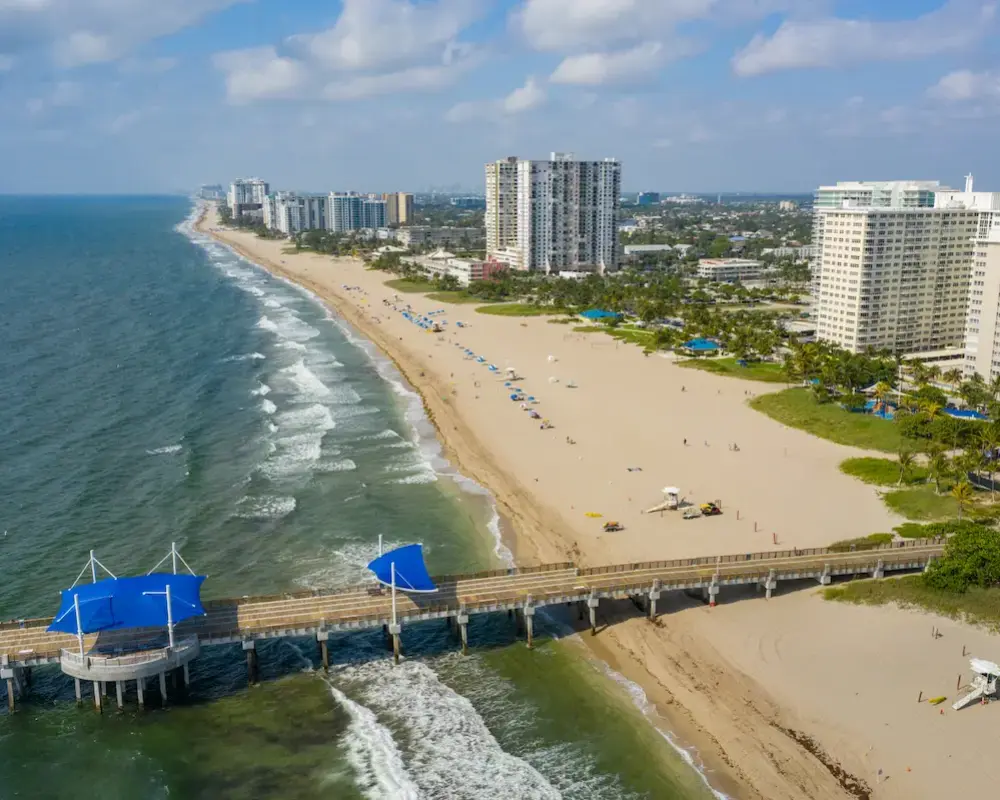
<point x="379" y="95"/>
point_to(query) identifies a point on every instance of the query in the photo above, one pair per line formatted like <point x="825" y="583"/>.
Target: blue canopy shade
<point x="700" y="344"/>
<point x="118" y="603"/>
<point x="411" y="572"/>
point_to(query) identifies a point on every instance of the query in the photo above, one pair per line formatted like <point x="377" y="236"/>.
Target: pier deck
<point x="27" y="643"/>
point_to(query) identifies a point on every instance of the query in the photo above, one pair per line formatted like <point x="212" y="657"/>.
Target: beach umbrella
<point x="507" y="383"/>
<point x="513" y="397"/>
<point x="531" y="399"/>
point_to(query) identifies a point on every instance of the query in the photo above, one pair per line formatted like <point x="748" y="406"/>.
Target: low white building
<point x="729" y="270"/>
<point x="427" y="236"/>
<point x="638" y="249"/>
<point x="465" y="270"/>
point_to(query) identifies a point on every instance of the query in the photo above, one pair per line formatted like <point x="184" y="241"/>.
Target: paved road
<point x="361" y="607"/>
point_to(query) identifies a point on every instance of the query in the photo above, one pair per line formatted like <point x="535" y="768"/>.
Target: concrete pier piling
<point x="463" y="629"/>
<point x="324" y="650"/>
<point x="97" y="697"/>
<point x="879" y="571"/>
<point x="120" y="695"/>
<point x="825" y="577"/>
<point x="186" y="671"/>
<point x="529" y="622"/>
<point x="770" y="583"/>
<point x="250" y="648"/>
<point x="592" y="603"/>
<point x="394" y="631"/>
<point x="10" y="695"/>
<point x="140" y="690"/>
<point x="651" y="598"/>
<point x="163" y="688"/>
<point x="79" y="691"/>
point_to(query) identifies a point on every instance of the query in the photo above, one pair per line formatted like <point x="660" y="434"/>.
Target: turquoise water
<point x="158" y="388"/>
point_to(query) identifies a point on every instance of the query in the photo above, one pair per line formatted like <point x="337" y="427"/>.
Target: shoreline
<point x="519" y="534"/>
<point x="770" y="700"/>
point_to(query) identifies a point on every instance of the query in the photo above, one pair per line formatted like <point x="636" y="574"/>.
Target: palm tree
<point x="938" y="468"/>
<point x="952" y="377"/>
<point x="906" y="460"/>
<point x="963" y="494"/>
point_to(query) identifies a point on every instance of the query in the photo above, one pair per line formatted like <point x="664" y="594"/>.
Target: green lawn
<point x="882" y="471"/>
<point x="760" y="371"/>
<point x="922" y="503"/>
<point x="623" y="333"/>
<point x="517" y="310"/>
<point x="461" y="297"/>
<point x="797" y="408"/>
<point x="976" y="606"/>
<point x="410" y="286"/>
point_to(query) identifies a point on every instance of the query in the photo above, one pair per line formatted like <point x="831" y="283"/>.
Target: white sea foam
<point x="265" y="507"/>
<point x="268" y="407"/>
<point x="638" y="696"/>
<point x="246" y="357"/>
<point x="262" y="390"/>
<point x="450" y="744"/>
<point x="342" y="465"/>
<point x="170" y="449"/>
<point x="265" y="323"/>
<point x="425" y="476"/>
<point x="309" y="386"/>
<point x="316" y="417"/>
<point x="373" y="754"/>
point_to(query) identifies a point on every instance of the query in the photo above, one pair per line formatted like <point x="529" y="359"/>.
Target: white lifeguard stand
<point x="671" y="500"/>
<point x="985" y="682"/>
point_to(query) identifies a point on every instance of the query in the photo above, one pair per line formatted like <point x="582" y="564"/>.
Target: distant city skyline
<point x="768" y="96"/>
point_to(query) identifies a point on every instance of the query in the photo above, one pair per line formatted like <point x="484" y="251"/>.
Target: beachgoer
<point x="685" y="442"/>
<point x="683" y="389"/>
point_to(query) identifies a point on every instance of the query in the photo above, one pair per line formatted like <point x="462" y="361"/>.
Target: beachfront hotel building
<point x="893" y="264"/>
<point x="398" y="208"/>
<point x="729" y="270"/>
<point x="552" y="216"/>
<point x="353" y="212"/>
<point x="291" y="213"/>
<point x="246" y="195"/>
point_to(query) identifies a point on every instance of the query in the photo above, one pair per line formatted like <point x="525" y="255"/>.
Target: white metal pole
<point x="393" y="567"/>
<point x="79" y="625"/>
<point x="173" y="553"/>
<point x="93" y="566"/>
<point x="170" y="619"/>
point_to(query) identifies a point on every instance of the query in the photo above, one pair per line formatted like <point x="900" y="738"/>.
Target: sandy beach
<point x="773" y="695"/>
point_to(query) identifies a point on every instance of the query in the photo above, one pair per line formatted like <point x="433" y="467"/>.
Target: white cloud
<point x="964" y="84"/>
<point x="374" y="34"/>
<point x="62" y="94"/>
<point x="832" y="42"/>
<point x="259" y="73"/>
<point x="567" y="24"/>
<point x="152" y="66"/>
<point x="594" y="69"/>
<point x="77" y="32"/>
<point x="525" y="98"/>
<point x="424" y="78"/>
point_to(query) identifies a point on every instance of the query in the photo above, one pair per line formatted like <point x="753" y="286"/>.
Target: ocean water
<point x="158" y="388"/>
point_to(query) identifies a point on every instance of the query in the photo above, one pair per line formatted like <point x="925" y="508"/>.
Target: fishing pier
<point x="120" y="652"/>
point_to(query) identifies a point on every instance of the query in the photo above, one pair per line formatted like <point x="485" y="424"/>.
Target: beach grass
<point x="460" y="297"/>
<point x="797" y="408"/>
<point x="922" y="503"/>
<point x="881" y="471"/>
<point x="517" y="310"/>
<point x="862" y="542"/>
<point x="760" y="371"/>
<point x="631" y="335"/>
<point x="411" y="286"/>
<point x="975" y="606"/>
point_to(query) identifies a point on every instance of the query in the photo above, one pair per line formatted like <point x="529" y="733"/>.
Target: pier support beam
<point x="140" y="690"/>
<point x="186" y="672"/>
<point x="250" y="648"/>
<point x="879" y="571"/>
<point x="324" y="651"/>
<point x="770" y="583"/>
<point x="711" y="592"/>
<point x="654" y="595"/>
<point x="825" y="578"/>
<point x="930" y="560"/>
<point x="463" y="629"/>
<point x="79" y="691"/>
<point x="10" y="695"/>
<point x="163" y="688"/>
<point x="120" y="694"/>
<point x="97" y="696"/>
<point x="394" y="631"/>
<point x="592" y="605"/>
<point x="518" y="621"/>
<point x="529" y="623"/>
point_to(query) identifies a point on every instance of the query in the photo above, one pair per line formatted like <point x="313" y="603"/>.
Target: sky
<point x="121" y="96"/>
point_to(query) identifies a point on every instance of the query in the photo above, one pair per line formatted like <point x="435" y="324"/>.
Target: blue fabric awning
<point x="118" y="603"/>
<point x="411" y="572"/>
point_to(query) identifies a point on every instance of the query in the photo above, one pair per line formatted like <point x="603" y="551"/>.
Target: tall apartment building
<point x="246" y="194"/>
<point x="351" y="212"/>
<point x="893" y="263"/>
<point x="982" y="324"/>
<point x="556" y="215"/>
<point x="398" y="208"/>
<point x="290" y="213"/>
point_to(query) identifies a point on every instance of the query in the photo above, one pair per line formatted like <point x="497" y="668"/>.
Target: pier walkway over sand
<point x="135" y="654"/>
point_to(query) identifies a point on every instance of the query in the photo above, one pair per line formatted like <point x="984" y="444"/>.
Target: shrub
<point x="971" y="559"/>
